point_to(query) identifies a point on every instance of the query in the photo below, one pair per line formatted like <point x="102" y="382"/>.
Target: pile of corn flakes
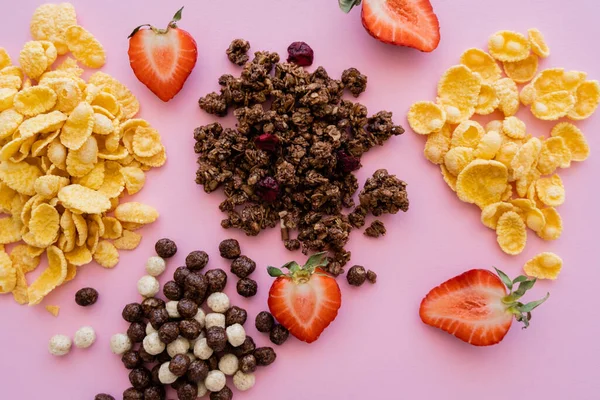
<point x="69" y="150"/>
<point x="501" y="168"/>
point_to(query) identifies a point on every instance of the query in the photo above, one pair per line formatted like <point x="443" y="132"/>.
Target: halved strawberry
<point x="162" y="59"/>
<point x="476" y="308"/>
<point x="305" y="300"/>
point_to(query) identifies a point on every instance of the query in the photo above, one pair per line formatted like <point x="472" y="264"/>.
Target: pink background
<point x="377" y="347"/>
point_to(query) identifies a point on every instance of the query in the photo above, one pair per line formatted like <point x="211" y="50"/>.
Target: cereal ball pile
<point x="177" y="343"/>
<point x="241" y="266"/>
<point x="300" y="143"/>
<point x="85" y="336"/>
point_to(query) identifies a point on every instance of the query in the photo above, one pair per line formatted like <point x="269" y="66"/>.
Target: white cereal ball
<point x="178" y="346"/>
<point x="153" y="345"/>
<point x="191" y="355"/>
<point x="201" y="349"/>
<point x="243" y="382"/>
<point x="200" y="317"/>
<point x="155" y="266"/>
<point x="236" y="335"/>
<point x="59" y="345"/>
<point x="148" y="286"/>
<point x="165" y="376"/>
<point x="84" y="337"/>
<point x="214" y="319"/>
<point x="215" y="381"/>
<point x="120" y="343"/>
<point x="218" y="302"/>
<point x="201" y="389"/>
<point x="171" y="307"/>
<point x="150" y="329"/>
<point x="193" y="341"/>
<point x="228" y="364"/>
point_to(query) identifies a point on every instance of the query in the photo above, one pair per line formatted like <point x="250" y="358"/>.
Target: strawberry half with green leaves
<point x="476" y="307"/>
<point x="162" y="59"/>
<point x="409" y="23"/>
<point x="305" y="300"/>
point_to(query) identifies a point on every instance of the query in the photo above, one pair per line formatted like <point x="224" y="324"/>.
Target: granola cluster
<point x="290" y="159"/>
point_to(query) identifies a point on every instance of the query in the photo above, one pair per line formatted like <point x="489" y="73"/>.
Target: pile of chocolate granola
<point x="290" y="159"/>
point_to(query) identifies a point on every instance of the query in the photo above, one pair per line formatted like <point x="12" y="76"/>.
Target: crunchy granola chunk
<point x="354" y="81"/>
<point x="384" y="194"/>
<point x="376" y="229"/>
<point x="238" y="51"/>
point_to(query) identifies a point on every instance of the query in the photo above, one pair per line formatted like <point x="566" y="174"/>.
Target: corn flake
<point x="457" y="158"/>
<point x="53" y="276"/>
<point x="553" y="227"/>
<point x="544" y="266"/>
<point x="85" y="47"/>
<point x="514" y="128"/>
<point x="136" y="212"/>
<point x="424" y="117"/>
<point x="34" y="100"/>
<point x="80" y="199"/>
<point x="33" y="59"/>
<point x="492" y="212"/>
<point x="155" y="161"/>
<point x="68" y="93"/>
<point x="526" y="158"/>
<point x="50" y="21"/>
<point x="481" y="63"/>
<point x="20" y="290"/>
<point x="20" y="177"/>
<point x="134" y="178"/>
<point x="43" y="123"/>
<point x="114" y="182"/>
<point x="574" y="139"/>
<point x="106" y="254"/>
<point x="522" y="71"/>
<point x="458" y="93"/>
<point x="10" y="230"/>
<point x="112" y="228"/>
<point x="554" y="154"/>
<point x="482" y="182"/>
<point x="488" y="146"/>
<point x="128" y="241"/>
<point x="527" y="94"/>
<point x="5" y="60"/>
<point x="556" y="79"/>
<point x="508" y="46"/>
<point x="25" y="257"/>
<point x="511" y="233"/>
<point x="448" y="177"/>
<point x="587" y="98"/>
<point x="54" y="310"/>
<point x="538" y="43"/>
<point x="48" y="186"/>
<point x="57" y="154"/>
<point x="78" y="127"/>
<point x="553" y="106"/>
<point x="508" y="95"/>
<point x="8" y="273"/>
<point x="9" y="122"/>
<point x="44" y="225"/>
<point x="129" y="103"/>
<point x="550" y="190"/>
<point x="523" y="183"/>
<point x="467" y="134"/>
<point x="79" y="256"/>
<point x="81" y="228"/>
<point x="488" y="101"/>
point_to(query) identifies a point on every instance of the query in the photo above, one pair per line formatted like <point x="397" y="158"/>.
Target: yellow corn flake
<point x="553" y="227"/>
<point x="54" y="310"/>
<point x="106" y="254"/>
<point x="6" y="198"/>
<point x="71" y="272"/>
<point x="550" y="190"/>
<point x="20" y="177"/>
<point x="492" y="212"/>
<point x="8" y="273"/>
<point x="523" y="183"/>
<point x="50" y="21"/>
<point x="34" y="100"/>
<point x="481" y="63"/>
<point x="10" y="149"/>
<point x="482" y="182"/>
<point x="80" y="199"/>
<point x="527" y="95"/>
<point x="5" y="60"/>
<point x="82" y="161"/>
<point x="436" y="146"/>
<point x="78" y="127"/>
<point x="574" y="139"/>
<point x="67" y="239"/>
<point x="557" y="79"/>
<point x="134" y="178"/>
<point x="53" y="276"/>
<point x="50" y="51"/>
<point x="57" y="154"/>
<point x="511" y="233"/>
<point x="488" y="146"/>
<point x="25" y="257"/>
<point x="102" y="125"/>
<point x="448" y="177"/>
<point x="81" y="228"/>
<point x="146" y="142"/>
<point x="424" y="117"/>
<point x="488" y="101"/>
<point x="85" y="47"/>
<point x="587" y="98"/>
<point x="43" y="123"/>
<point x="10" y="230"/>
<point x="554" y="154"/>
<point x="9" y="83"/>
<point x="114" y="182"/>
<point x="508" y="46"/>
<point x="457" y="158"/>
<point x="9" y="122"/>
<point x="20" y="290"/>
<point x="93" y="237"/>
<point x="526" y="158"/>
<point x="129" y="103"/>
<point x="112" y="228"/>
<point x="6" y="98"/>
<point x="534" y="219"/>
<point x="48" y="186"/>
<point x="514" y="128"/>
<point x="33" y="59"/>
<point x="70" y="64"/>
<point x="544" y="266"/>
<point x="494" y="125"/>
<point x="44" y="225"/>
<point x="538" y="43"/>
<point x="68" y="93"/>
<point x="458" y="93"/>
<point x="508" y="193"/>
<point x="79" y="256"/>
<point x="136" y="212"/>
<point x="155" y="161"/>
<point x="508" y="95"/>
<point x="553" y="106"/>
<point x="467" y="134"/>
<point x="522" y="71"/>
<point x="128" y="241"/>
<point x="107" y="101"/>
<point x="94" y="179"/>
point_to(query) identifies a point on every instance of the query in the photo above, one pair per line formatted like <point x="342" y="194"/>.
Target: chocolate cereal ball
<point x="196" y="260"/>
<point x="242" y="266"/>
<point x="133" y="394"/>
<point x="248" y="363"/>
<point x="357" y="275"/>
<point x="279" y="334"/>
<point x="150" y="304"/>
<point x="165" y="248"/>
<point x="187" y="391"/>
<point x="213" y="362"/>
<point x="180" y="274"/>
<point x="265" y="356"/>
<point x="196" y="285"/>
<point x="173" y="291"/>
<point x="168" y="332"/>
<point x="136" y="332"/>
<point x="187" y="308"/>
<point x="140" y="378"/>
<point x="189" y="328"/>
<point x="235" y="315"/>
<point x="154" y="393"/>
<point x="179" y="364"/>
<point x="216" y="338"/>
<point x="217" y="280"/>
<point x="133" y="312"/>
<point x="229" y="248"/>
<point x="158" y="317"/>
<point x="131" y="359"/>
<point x="103" y="396"/>
<point x="197" y="371"/>
<point x="145" y="356"/>
<point x="86" y="296"/>
<point x="245" y="348"/>
<point x="264" y="321"/>
<point x="223" y="394"/>
<point x="247" y="287"/>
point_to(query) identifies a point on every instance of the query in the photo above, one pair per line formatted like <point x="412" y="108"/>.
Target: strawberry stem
<point x="173" y="24"/>
<point x="301" y="274"/>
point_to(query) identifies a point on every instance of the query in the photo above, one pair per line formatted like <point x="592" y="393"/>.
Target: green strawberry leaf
<point x="347" y="5"/>
<point x="316" y="260"/>
<point x="177" y="16"/>
<point x="505" y="279"/>
<point x="137" y="29"/>
<point x="526" y="308"/>
<point x="292" y="266"/>
<point x="274" y="272"/>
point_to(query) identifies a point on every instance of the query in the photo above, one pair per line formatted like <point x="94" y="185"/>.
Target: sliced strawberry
<point x="306" y="300"/>
<point x="162" y="59"/>
<point x="475" y="306"/>
<point x="409" y="23"/>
